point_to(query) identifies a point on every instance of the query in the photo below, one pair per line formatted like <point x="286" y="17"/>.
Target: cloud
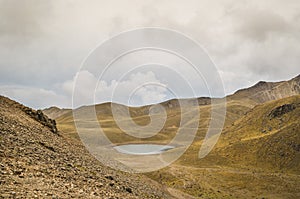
<point x="43" y="43"/>
<point x="35" y="97"/>
<point x="22" y="19"/>
<point x="266" y="46"/>
<point x="138" y="89"/>
<point x="254" y="41"/>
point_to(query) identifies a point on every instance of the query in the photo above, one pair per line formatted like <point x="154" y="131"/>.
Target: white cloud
<point x="35" y="97"/>
<point x="41" y="45"/>
<point x="138" y="89"/>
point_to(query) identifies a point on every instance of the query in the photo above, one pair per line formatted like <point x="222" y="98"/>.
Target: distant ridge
<point x="266" y="91"/>
<point x="54" y="112"/>
<point x="259" y="145"/>
<point x="259" y="93"/>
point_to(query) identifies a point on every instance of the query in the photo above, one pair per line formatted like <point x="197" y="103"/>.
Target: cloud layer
<point x="43" y="43"/>
<point x="138" y="89"/>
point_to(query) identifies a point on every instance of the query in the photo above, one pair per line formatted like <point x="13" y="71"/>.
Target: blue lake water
<point x="143" y="149"/>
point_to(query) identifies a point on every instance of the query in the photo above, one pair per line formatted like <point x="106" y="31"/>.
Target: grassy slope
<point x="253" y="147"/>
<point x="248" y="160"/>
<point x="260" y="140"/>
<point x="236" y="108"/>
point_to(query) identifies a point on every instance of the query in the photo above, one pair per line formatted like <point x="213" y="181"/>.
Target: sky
<point x="44" y="44"/>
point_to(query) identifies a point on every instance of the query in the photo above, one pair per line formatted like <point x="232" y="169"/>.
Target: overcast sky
<point x="43" y="44"/>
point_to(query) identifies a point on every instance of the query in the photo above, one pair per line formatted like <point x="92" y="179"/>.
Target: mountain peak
<point x="260" y="83"/>
<point x="297" y="77"/>
<point x="266" y="91"/>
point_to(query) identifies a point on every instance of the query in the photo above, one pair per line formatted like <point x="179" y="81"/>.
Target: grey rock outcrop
<point x="42" y="118"/>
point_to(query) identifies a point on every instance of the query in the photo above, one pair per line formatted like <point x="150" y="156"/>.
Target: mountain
<point x="267" y="91"/>
<point x="55" y="112"/>
<point x="237" y="105"/>
<point x="37" y="161"/>
<point x="267" y="137"/>
<point x="257" y="155"/>
<point x="259" y="143"/>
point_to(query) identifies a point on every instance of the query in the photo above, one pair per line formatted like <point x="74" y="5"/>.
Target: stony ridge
<point x="267" y="91"/>
<point x="37" y="163"/>
<point x="37" y="115"/>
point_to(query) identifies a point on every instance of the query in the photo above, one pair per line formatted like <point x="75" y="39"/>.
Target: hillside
<point x="268" y="137"/>
<point x="55" y="112"/>
<point x="39" y="162"/>
<point x="267" y="91"/>
<point x="258" y="156"/>
<point x="237" y="105"/>
<point x="259" y="143"/>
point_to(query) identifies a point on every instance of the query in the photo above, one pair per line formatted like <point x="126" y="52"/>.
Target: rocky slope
<point x="39" y="163"/>
<point x="267" y="91"/>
